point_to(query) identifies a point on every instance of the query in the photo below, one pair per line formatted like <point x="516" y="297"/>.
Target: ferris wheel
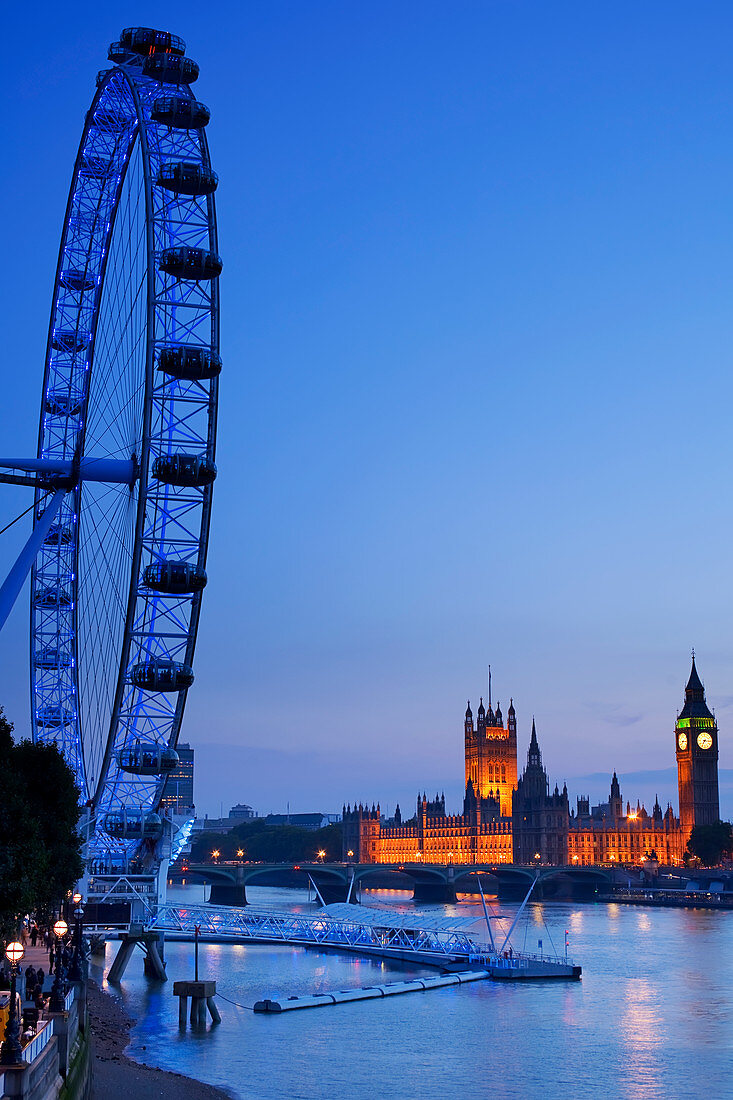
<point x="125" y="463"/>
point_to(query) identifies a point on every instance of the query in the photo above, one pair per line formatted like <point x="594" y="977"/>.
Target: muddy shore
<point x="117" y="1076"/>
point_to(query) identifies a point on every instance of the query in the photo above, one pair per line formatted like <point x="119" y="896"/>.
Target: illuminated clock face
<point x="682" y="741"/>
<point x="704" y="740"/>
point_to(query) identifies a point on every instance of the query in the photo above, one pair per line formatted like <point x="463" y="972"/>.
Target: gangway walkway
<point x="432" y="939"/>
<point x="433" y="936"/>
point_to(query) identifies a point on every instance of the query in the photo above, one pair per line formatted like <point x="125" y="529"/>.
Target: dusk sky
<point x="477" y="319"/>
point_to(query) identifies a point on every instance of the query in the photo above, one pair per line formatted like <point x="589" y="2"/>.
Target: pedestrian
<point x="30" y="982"/>
<point x="34" y="934"/>
<point x="40" y="976"/>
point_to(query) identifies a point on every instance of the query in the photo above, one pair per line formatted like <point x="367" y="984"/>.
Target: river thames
<point x="652" y="1016"/>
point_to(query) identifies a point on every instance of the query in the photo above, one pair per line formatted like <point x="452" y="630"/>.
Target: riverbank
<point x="117" y="1077"/>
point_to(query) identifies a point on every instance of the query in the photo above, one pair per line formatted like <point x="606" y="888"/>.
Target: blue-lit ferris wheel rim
<point x="177" y="416"/>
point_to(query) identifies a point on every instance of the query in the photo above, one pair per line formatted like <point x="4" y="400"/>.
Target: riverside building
<point x="512" y="818"/>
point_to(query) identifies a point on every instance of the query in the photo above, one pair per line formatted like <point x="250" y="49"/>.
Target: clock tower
<point x="696" y="746"/>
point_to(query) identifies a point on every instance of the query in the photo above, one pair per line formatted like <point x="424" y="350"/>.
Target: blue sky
<point x="476" y="328"/>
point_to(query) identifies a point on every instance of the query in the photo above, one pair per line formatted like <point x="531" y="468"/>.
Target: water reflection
<point x="652" y="1017"/>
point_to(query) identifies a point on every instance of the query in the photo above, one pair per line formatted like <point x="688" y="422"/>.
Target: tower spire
<point x="694" y="683"/>
<point x="489" y="687"/>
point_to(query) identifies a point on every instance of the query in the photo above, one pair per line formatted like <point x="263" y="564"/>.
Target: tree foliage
<point x="710" y="843"/>
<point x="40" y="849"/>
<point x="263" y="843"/>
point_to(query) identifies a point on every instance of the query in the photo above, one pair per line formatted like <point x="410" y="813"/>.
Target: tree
<point x="40" y="849"/>
<point x="710" y="843"/>
<point x="264" y="843"/>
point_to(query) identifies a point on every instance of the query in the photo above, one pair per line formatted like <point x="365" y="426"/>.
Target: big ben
<point x="696" y="746"/>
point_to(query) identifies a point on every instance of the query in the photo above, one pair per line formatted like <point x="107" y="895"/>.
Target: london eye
<point x="125" y="466"/>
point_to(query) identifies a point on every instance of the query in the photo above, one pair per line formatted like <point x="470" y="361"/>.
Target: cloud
<point x="613" y="714"/>
<point x="721" y="702"/>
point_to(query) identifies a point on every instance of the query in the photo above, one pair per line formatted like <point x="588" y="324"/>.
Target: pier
<point x="431" y="940"/>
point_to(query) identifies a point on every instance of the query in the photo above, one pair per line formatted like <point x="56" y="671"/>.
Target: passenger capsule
<point x="188" y="178"/>
<point x="63" y="404"/>
<point x="171" y="69"/>
<point x="147" y="758"/>
<point x="77" y="280"/>
<point x="120" y="54"/>
<point x="190" y="263"/>
<point x="59" y="535"/>
<point x="53" y="597"/>
<point x="180" y="112"/>
<point x="133" y="825"/>
<point x="187" y="471"/>
<point x="50" y="657"/>
<point x="175" y="578"/>
<point x="162" y="675"/>
<point x="69" y="341"/>
<point x="53" y="717"/>
<point x="146" y="40"/>
<point x="190" y="364"/>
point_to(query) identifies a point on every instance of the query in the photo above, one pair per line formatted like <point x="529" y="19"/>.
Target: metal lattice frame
<point x="104" y="394"/>
<point x="385" y="937"/>
<point x="250" y="924"/>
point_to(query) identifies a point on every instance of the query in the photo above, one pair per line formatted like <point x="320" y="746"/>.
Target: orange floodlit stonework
<point x="508" y="818"/>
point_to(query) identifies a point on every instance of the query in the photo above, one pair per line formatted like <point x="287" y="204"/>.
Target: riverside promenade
<point x="57" y="1060"/>
<point x="79" y="1054"/>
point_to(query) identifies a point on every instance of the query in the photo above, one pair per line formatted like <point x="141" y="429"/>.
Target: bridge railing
<point x="517" y="960"/>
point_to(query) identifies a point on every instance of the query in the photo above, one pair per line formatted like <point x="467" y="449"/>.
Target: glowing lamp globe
<point x="60" y="928"/>
<point x="76" y="898"/>
<point x="14" y="952"/>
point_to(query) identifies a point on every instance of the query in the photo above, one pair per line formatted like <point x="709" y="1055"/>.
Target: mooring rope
<point x="248" y="1008"/>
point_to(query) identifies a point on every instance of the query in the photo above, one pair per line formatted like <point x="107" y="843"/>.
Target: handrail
<point x="38" y="1042"/>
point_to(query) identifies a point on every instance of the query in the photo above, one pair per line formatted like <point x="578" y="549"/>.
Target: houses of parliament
<point x="512" y="818"/>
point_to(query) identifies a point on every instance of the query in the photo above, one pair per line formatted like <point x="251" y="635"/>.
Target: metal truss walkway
<point x="427" y="938"/>
<point x="421" y="935"/>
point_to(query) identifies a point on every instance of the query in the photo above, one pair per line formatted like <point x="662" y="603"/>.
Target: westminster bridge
<point x="429" y="881"/>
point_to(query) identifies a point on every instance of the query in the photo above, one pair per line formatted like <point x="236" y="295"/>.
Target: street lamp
<point x="240" y="853"/>
<point x="75" y="972"/>
<point x="321" y="855"/>
<point x="11" y="1052"/>
<point x="215" y="854"/>
<point x="56" y="1002"/>
<point x="350" y="853"/>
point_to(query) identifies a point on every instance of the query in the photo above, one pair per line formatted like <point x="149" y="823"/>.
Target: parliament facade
<point x="512" y="818"/>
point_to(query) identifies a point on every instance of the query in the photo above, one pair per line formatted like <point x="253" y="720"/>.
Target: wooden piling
<point x="202" y="997"/>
